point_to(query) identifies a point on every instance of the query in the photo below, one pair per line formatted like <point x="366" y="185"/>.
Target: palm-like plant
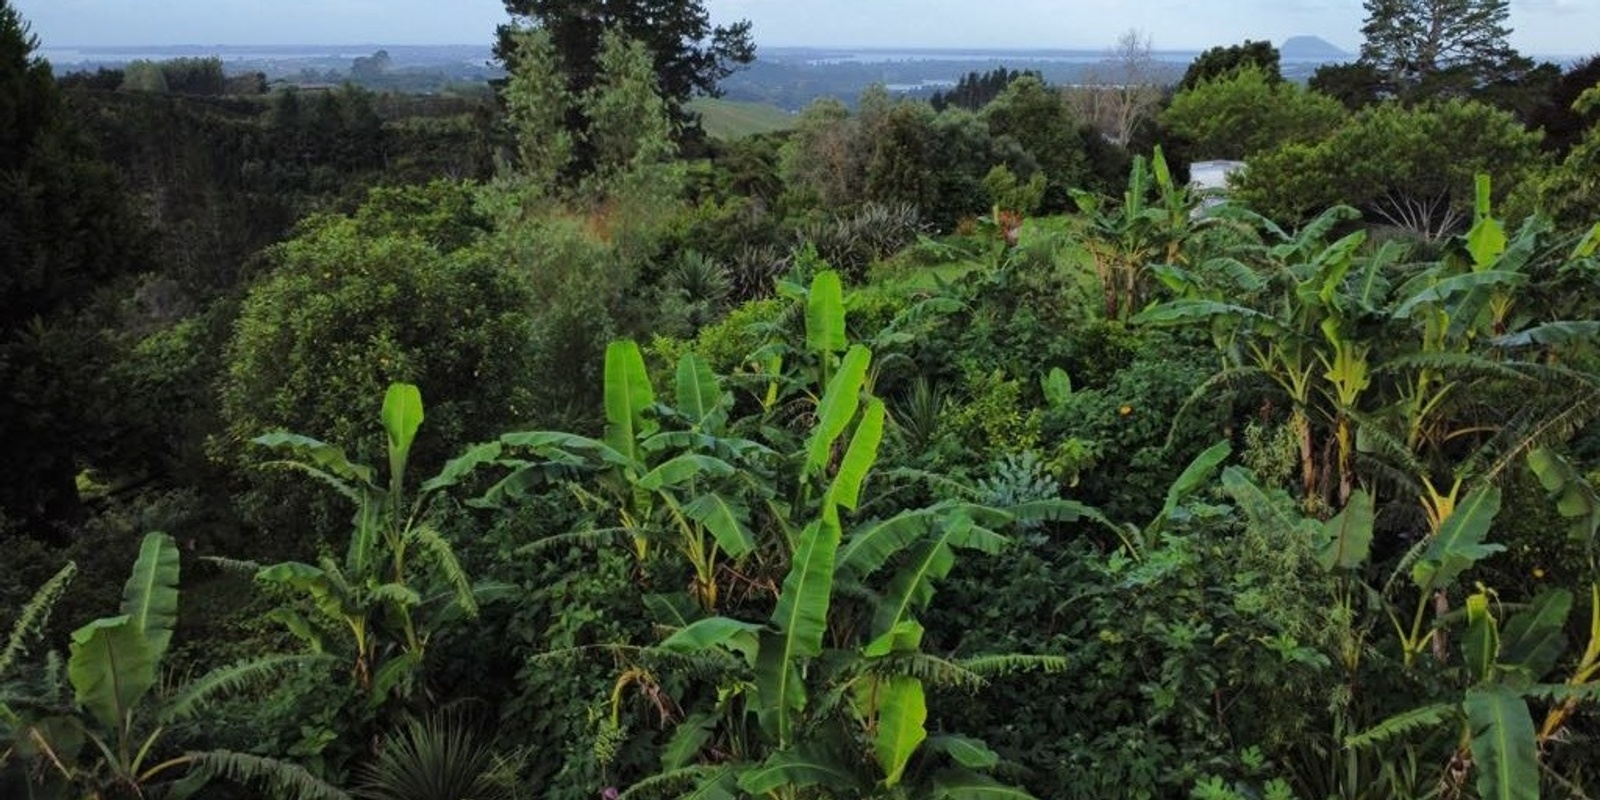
<point x="437" y="758"/>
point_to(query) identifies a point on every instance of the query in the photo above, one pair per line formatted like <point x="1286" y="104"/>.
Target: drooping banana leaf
<point x="732" y="634"/>
<point x="1534" y="639"/>
<point x="323" y="461"/>
<point x="964" y="750"/>
<point x="902" y="719"/>
<point x="1346" y="540"/>
<point x="963" y="784"/>
<point x="1505" y="752"/>
<point x="1575" y="497"/>
<point x="683" y="469"/>
<point x="727" y="520"/>
<point x="805" y="765"/>
<point x="1194" y="476"/>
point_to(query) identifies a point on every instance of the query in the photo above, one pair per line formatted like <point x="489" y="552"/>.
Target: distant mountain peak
<point x="1309" y="47"/>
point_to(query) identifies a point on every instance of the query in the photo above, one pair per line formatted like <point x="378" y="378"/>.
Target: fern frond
<point x="1562" y="692"/>
<point x="35" y="615"/>
<point x="223" y="680"/>
<point x="284" y="778"/>
<point x="1403" y="723"/>
<point x="1551" y="429"/>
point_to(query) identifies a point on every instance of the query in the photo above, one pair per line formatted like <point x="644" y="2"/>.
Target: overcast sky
<point x="1543" y="27"/>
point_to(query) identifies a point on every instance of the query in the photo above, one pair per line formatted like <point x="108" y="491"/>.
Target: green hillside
<point x="727" y="119"/>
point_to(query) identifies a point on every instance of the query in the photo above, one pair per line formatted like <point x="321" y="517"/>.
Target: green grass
<point x="727" y="119"/>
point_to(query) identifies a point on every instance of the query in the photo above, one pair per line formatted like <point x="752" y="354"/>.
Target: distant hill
<point x="1309" y="48"/>
<point x="729" y="119"/>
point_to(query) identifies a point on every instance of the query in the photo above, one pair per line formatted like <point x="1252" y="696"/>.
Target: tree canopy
<point x="1220" y="62"/>
<point x="689" y="54"/>
<point x="1429" y="48"/>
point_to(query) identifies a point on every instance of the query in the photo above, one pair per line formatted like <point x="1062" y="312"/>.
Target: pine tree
<point x="1431" y="48"/>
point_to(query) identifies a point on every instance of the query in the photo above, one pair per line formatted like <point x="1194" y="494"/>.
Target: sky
<point x="1541" y="27"/>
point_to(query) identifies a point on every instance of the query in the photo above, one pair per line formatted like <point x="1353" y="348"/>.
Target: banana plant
<point x="399" y="582"/>
<point x="673" y="475"/>
<point x="839" y="702"/>
<point x="1152" y="226"/>
<point x="1296" y="303"/>
<point x="110" y="734"/>
<point x="1502" y="665"/>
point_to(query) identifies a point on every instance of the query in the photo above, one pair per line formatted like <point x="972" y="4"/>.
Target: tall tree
<point x="65" y="229"/>
<point x="690" y="55"/>
<point x="1224" y="62"/>
<point x="1429" y="48"/>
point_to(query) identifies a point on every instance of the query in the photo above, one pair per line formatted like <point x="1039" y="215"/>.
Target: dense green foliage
<point x="914" y="452"/>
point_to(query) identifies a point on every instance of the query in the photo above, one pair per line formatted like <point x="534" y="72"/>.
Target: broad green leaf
<point x="727" y="521"/>
<point x="732" y="634"/>
<point x="806" y="765"/>
<point x="673" y="610"/>
<point x="960" y="784"/>
<point x="1505" y="751"/>
<point x="964" y="750"/>
<point x="1534" y="639"/>
<point x="859" y="456"/>
<point x="1446" y="288"/>
<point x="1194" y="476"/>
<point x="111" y="667"/>
<point x="1057" y="387"/>
<point x="1459" y="542"/>
<point x="316" y="582"/>
<point x="627" y="396"/>
<point x="838" y="406"/>
<point x="321" y="456"/>
<point x="912" y="586"/>
<point x="1272" y="511"/>
<point x="905" y="638"/>
<point x="870" y="545"/>
<point x="902" y="725"/>
<point x="402" y="416"/>
<point x="397" y="671"/>
<point x="1487" y="239"/>
<point x="1186" y="310"/>
<point x="549" y="443"/>
<point x="699" y="394"/>
<point x="800" y="617"/>
<point x="688" y="739"/>
<point x="1551" y="334"/>
<point x="1346" y="540"/>
<point x="461" y="466"/>
<point x="683" y="469"/>
<point x="150" y="597"/>
<point x="1482" y="642"/>
<point x="825" y="314"/>
<point x="1575" y="497"/>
